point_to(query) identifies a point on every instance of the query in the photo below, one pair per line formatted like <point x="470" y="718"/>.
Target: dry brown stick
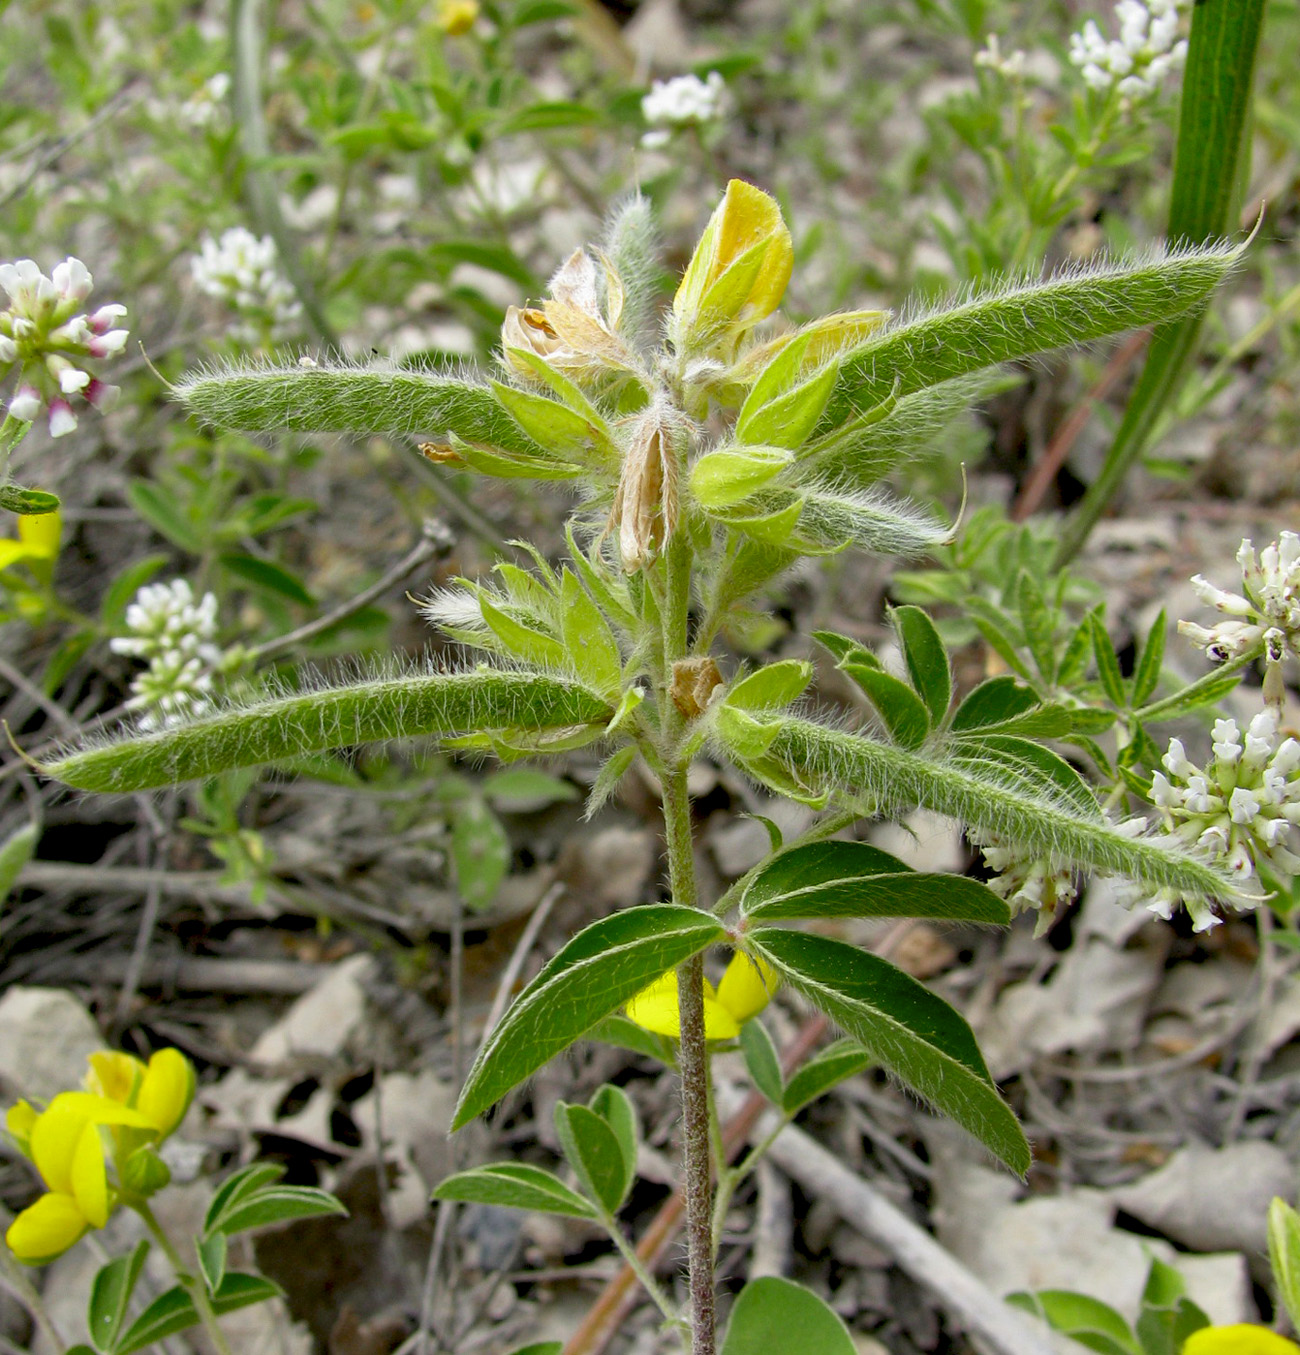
<point x="1042" y="474"/>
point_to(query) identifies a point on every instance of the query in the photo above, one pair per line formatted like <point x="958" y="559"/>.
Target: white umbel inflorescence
<point x="1266" y="610"/>
<point x="684" y="101"/>
<point x="1149" y="48"/>
<point x="1241" y="810"/>
<point x="243" y="270"/>
<point x="175" y="636"/>
<point x="47" y="334"/>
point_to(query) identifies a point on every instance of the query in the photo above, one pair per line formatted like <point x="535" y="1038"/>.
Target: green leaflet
<point x="1015" y="319"/>
<point x="898" y="781"/>
<point x="773" y="1316"/>
<point x="906" y="1027"/>
<point x="515" y="1185"/>
<point x="852" y="879"/>
<point x="826" y="1069"/>
<point x="334" y="717"/>
<point x="340" y="399"/>
<point x="590" y="979"/>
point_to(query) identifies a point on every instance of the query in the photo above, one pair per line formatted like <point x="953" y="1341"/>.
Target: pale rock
<point x="1212" y="1199"/>
<point x="321" y="1022"/>
<point x="46" y="1036"/>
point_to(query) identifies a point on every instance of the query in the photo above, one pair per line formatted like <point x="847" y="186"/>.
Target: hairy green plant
<point x="707" y="465"/>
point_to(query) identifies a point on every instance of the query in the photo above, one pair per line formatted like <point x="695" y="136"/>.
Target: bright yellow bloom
<point x="456" y="16"/>
<point x="746" y="988"/>
<point x="1244" y="1338"/>
<point x="738" y="273"/>
<point x="38" y="539"/>
<point x="65" y="1144"/>
<point x="137" y="1104"/>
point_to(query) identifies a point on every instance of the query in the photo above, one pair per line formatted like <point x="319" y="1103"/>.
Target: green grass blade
<point x="1213" y="149"/>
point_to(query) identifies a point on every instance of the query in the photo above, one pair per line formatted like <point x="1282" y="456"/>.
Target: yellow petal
<point x="40" y="533"/>
<point x="747" y="234"/>
<point x="11" y="551"/>
<point x="167" y="1090"/>
<point x="56" y="1134"/>
<point x="1243" y="1338"/>
<point x="747" y="986"/>
<point x="46" y="1230"/>
<point x="90" y="1177"/>
<point x="656" y="1009"/>
<point x="115" y="1075"/>
<point x="19" y="1120"/>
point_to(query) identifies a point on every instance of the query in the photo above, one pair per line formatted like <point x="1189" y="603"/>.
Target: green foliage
<point x="1284" y="1255"/>
<point x="772" y="1316"/>
<point x="515" y="1185"/>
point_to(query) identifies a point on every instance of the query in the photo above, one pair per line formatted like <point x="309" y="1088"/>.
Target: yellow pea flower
<point x="1243" y="1338"/>
<point x="746" y="988"/>
<point x="161" y="1092"/>
<point x="64" y="1143"/>
<point x="737" y="275"/>
<point x="456" y="16"/>
<point x="38" y="540"/>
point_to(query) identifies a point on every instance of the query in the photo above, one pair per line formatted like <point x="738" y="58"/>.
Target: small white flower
<point x="242" y="270"/>
<point x="1147" y="50"/>
<point x="685" y="101"/>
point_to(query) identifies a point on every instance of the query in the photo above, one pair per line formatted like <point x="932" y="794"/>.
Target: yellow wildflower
<point x="746" y="988"/>
<point x="38" y="540"/>
<point x="1242" y="1338"/>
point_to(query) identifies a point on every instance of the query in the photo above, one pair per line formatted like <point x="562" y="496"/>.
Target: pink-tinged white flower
<point x="1241" y="811"/>
<point x="1264" y="615"/>
<point x="45" y="334"/>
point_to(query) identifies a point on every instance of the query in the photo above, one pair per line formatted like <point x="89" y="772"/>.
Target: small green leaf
<point x="787" y="419"/>
<point x="728" y="476"/>
<point x="211" y="1252"/>
<point x="615" y="1107"/>
<point x="547" y="117"/>
<point x="908" y="1029"/>
<point x="592" y="649"/>
<point x="515" y="1185"/>
<point x="18" y="849"/>
<point x="994" y="702"/>
<point x="744" y="736"/>
<point x="1089" y="1321"/>
<point x="125" y="586"/>
<point x="594" y="1152"/>
<point x="160" y="511"/>
<point x="236" y="1188"/>
<point x="926" y="658"/>
<point x="1167" y="1317"/>
<point x="852" y="879"/>
<point x="553" y="425"/>
<point x="903" y="712"/>
<point x="542" y="1347"/>
<point x="591" y="978"/>
<point x="174" y="1311"/>
<point x="480" y="851"/>
<point x="1036" y="621"/>
<point x="525" y="642"/>
<point x="772" y="1316"/>
<point x="268" y="577"/>
<point x="772" y="686"/>
<point x="110" y="1295"/>
<point x="614" y="769"/>
<point x="1284" y="1246"/>
<point x="274" y="1204"/>
<point x="524" y="790"/>
<point x="32" y="503"/>
<point x="824" y="1070"/>
<point x="762" y="1060"/>
<point x="1107" y="664"/>
<point x="1146" y="672"/>
<point x="618" y="1030"/>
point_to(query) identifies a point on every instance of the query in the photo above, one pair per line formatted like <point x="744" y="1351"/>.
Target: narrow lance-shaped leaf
<point x="590" y="979"/>
<point x="515" y="1185"/>
<point x="899" y="781"/>
<point x="350" y="399"/>
<point x="1014" y="319"/>
<point x="332" y="717"/>
<point x="911" y="1031"/>
<point x="853" y="879"/>
<point x="824" y="1070"/>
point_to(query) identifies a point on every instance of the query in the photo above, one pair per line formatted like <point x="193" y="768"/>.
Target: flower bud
<point x="144" y="1172"/>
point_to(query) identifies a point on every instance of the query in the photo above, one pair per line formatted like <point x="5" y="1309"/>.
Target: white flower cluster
<point x="1266" y="610"/>
<point x="1009" y="65"/>
<point x="45" y="331"/>
<point x="685" y="101"/>
<point x="243" y="271"/>
<point x="1147" y="50"/>
<point x="1242" y="810"/>
<point x="1026" y="884"/>
<point x="206" y="105"/>
<point x="174" y="635"/>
